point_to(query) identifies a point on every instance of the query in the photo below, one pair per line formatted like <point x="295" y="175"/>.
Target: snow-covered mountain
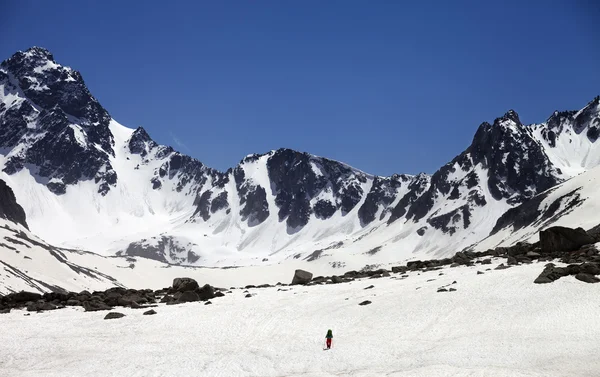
<point x="87" y="182"/>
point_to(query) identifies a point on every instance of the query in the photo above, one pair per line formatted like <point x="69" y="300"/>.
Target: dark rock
<point x="23" y="297"/>
<point x="336" y="280"/>
<point x="452" y="290"/>
<point x="207" y="292"/>
<point x="560" y="238"/>
<point x="590" y="268"/>
<point x="301" y="277"/>
<point x="9" y="208"/>
<point x="150" y="312"/>
<point x="95" y="305"/>
<point x="367" y="302"/>
<point x="248" y="295"/>
<point x="220" y="294"/>
<point x="442" y="290"/>
<point x="512" y="261"/>
<point x="486" y="261"/>
<point x="208" y="303"/>
<point x="587" y="278"/>
<point x="5" y="311"/>
<point x="479" y="273"/>
<point x="399" y="269"/>
<point x="184" y="284"/>
<point x="501" y="266"/>
<point x="114" y="315"/>
<point x="550" y="274"/>
<point x="188" y="296"/>
<point x="39" y="306"/>
<point x="370" y="287"/>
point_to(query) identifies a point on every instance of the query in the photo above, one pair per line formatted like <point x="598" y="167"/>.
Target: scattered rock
<point x="188" y="296"/>
<point x="560" y="238"/>
<point x="39" y="306"/>
<point x="501" y="266"/>
<point x="207" y="292"/>
<point x="452" y="290"/>
<point x="95" y="305"/>
<point x="301" y="277"/>
<point x="486" y="261"/>
<point x="24" y="296"/>
<point x="587" y="278"/>
<point x="479" y="273"/>
<point x="248" y="295"/>
<point x="336" y="280"/>
<point x="442" y="290"/>
<point x="370" y="287"/>
<point x="367" y="302"/>
<point x="184" y="284"/>
<point x="512" y="261"/>
<point x="551" y="273"/>
<point x="114" y="315"/>
<point x="208" y="303"/>
<point x="150" y="312"/>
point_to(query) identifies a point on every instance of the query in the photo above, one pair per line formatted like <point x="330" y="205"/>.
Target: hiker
<point x="329" y="336"/>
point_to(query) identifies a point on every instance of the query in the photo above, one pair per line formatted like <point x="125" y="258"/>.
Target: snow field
<point x="496" y="324"/>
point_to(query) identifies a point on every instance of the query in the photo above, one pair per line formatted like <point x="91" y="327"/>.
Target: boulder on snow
<point x="39" y="306"/>
<point x="23" y="297"/>
<point x="558" y="238"/>
<point x="184" y="284"/>
<point x="95" y="305"/>
<point x="206" y="292"/>
<point x="301" y="277"/>
<point x="114" y="315"/>
<point x="587" y="278"/>
<point x="550" y="274"/>
<point x="150" y="312"/>
<point x="188" y="296"/>
<point x="367" y="302"/>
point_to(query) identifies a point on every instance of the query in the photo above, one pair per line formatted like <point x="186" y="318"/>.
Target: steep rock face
<point x="382" y="194"/>
<point x="52" y="124"/>
<point x="9" y="208"/>
<point x="304" y="184"/>
<point x="504" y="160"/>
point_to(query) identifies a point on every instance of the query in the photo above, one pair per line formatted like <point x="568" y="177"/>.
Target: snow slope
<point x="575" y="203"/>
<point x="498" y="324"/>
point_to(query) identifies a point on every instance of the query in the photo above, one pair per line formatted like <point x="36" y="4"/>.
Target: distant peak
<point x="140" y="132"/>
<point x="39" y="52"/>
<point x="512" y="115"/>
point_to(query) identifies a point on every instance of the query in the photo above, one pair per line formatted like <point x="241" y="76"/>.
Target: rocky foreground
<point x="573" y="247"/>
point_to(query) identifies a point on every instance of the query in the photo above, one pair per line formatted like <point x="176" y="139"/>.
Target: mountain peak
<point x="512" y="116"/>
<point x="39" y="52"/>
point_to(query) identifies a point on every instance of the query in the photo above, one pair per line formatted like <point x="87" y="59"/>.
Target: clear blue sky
<point x="386" y="86"/>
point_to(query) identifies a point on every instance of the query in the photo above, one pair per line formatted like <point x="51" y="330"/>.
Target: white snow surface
<point x="498" y="324"/>
<point x="585" y="215"/>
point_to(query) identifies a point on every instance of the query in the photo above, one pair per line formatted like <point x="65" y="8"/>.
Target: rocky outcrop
<point x="560" y="238"/>
<point x="301" y="277"/>
<point x="9" y="208"/>
<point x="183" y="290"/>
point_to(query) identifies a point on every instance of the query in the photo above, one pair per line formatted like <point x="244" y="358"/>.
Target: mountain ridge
<point x="278" y="204"/>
